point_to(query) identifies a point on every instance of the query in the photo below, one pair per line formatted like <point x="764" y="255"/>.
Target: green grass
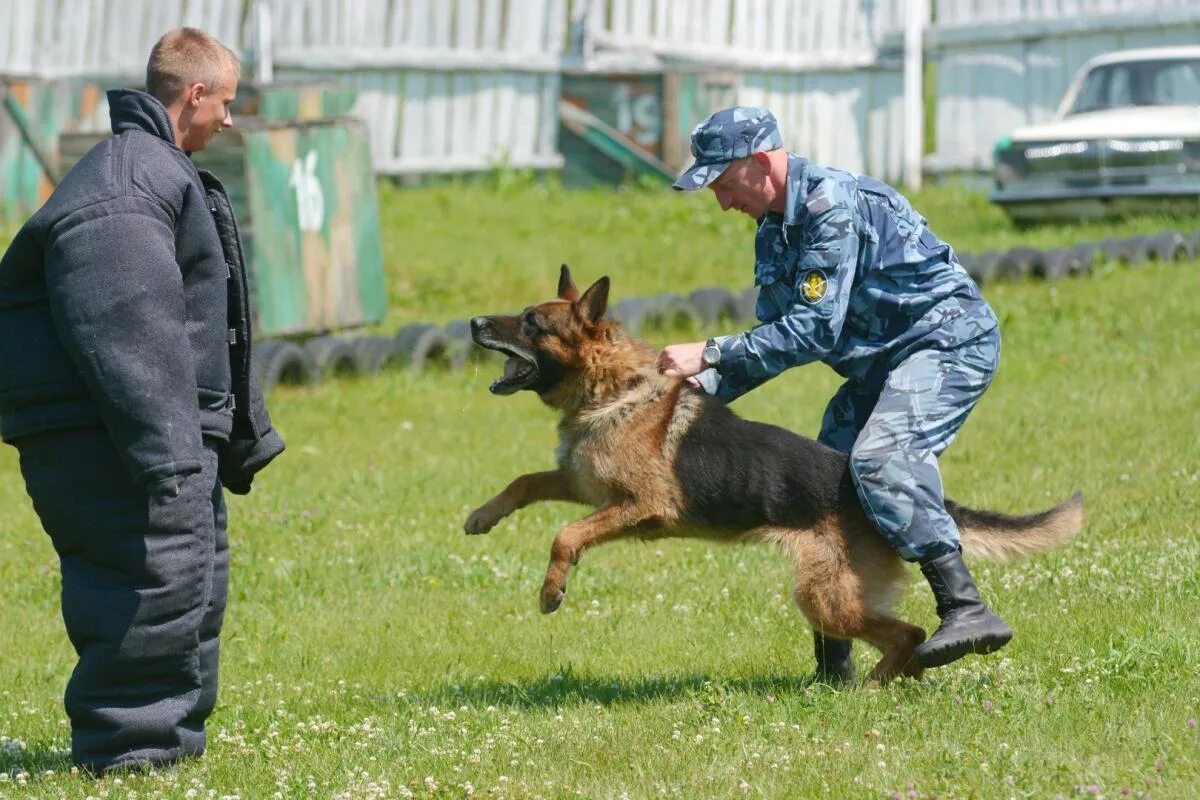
<point x="453" y="249"/>
<point x="372" y="650"/>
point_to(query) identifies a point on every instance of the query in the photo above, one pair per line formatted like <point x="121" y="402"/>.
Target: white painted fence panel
<point x="851" y="120"/>
<point x="478" y="79"/>
<point x="452" y="85"/>
<point x="766" y="35"/>
<point x="830" y="70"/>
<point x="955" y="13"/>
<point x="51" y="39"/>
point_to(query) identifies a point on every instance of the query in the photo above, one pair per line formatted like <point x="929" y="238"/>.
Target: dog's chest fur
<point x="601" y="457"/>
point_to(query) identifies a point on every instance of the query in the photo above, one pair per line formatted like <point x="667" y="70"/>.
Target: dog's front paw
<point x="480" y="521"/>
<point x="552" y="597"/>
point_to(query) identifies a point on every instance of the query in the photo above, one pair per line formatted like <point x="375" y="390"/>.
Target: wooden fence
<point x="459" y="85"/>
<point x="830" y="70"/>
<point x="49" y="39"/>
<point x="445" y="85"/>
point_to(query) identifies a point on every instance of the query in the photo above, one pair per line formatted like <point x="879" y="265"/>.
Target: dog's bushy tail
<point x="993" y="536"/>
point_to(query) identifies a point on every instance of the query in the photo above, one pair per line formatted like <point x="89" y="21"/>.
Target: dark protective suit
<point x="125" y="384"/>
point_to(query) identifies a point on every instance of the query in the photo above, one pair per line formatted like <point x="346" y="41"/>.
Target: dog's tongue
<point x="512" y="365"/>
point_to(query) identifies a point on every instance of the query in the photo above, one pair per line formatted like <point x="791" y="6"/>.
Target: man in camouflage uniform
<point x="849" y="274"/>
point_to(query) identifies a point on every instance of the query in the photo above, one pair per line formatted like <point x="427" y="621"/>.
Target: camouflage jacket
<point x="852" y="276"/>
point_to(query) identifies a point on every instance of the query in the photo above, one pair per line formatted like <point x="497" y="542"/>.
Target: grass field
<point x="467" y="247"/>
<point x="372" y="650"/>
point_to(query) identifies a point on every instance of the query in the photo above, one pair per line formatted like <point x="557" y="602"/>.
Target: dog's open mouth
<point x="519" y="372"/>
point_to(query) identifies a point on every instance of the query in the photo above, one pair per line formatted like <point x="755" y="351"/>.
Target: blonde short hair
<point x="184" y="56"/>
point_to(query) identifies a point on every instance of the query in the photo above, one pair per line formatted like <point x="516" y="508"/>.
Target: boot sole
<point x="947" y="655"/>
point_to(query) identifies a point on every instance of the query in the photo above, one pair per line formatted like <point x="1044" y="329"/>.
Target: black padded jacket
<point x="124" y="303"/>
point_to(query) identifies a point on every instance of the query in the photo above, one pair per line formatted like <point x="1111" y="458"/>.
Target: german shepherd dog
<point x="659" y="458"/>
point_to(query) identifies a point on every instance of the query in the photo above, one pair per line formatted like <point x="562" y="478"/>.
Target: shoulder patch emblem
<point x="814" y="285"/>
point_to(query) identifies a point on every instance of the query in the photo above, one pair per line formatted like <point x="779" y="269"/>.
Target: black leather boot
<point x="968" y="625"/>
<point x="834" y="664"/>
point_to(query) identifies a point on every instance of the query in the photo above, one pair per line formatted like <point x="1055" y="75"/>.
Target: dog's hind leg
<point x="605" y="524"/>
<point x="896" y="640"/>
<point x="845" y="592"/>
<point x="848" y="617"/>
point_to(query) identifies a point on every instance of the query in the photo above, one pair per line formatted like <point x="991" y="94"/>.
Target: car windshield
<point x="1166" y="82"/>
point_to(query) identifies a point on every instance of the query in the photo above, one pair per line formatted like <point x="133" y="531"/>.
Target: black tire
<point x="714" y="305"/>
<point x="1171" y="246"/>
<point x="1086" y="256"/>
<point x="462" y="346"/>
<point x="1019" y="262"/>
<point x="1139" y="250"/>
<point x="669" y="311"/>
<point x="278" y="361"/>
<point x="422" y="345"/>
<point x="982" y="267"/>
<point x="333" y="355"/>
<point x="1131" y="252"/>
<point x="459" y="329"/>
<point x="1111" y="250"/>
<point x="631" y="313"/>
<point x="375" y="353"/>
<point x="747" y="306"/>
<point x="1059" y="263"/>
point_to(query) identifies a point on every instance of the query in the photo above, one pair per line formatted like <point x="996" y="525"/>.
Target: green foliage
<point x="372" y="650"/>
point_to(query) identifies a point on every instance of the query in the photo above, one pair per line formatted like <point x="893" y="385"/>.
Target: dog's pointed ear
<point x="566" y="286"/>
<point x="594" y="302"/>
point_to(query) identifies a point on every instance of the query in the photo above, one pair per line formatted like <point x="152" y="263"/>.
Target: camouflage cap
<point x="727" y="136"/>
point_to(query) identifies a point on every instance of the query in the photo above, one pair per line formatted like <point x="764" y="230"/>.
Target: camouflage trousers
<point x="895" y="431"/>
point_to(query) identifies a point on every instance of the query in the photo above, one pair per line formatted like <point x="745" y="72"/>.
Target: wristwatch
<point x="712" y="354"/>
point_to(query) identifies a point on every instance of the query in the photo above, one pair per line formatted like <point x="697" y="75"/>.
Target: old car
<point x="1126" y="137"/>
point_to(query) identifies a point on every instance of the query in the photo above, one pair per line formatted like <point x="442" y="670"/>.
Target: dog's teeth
<point x="513" y="368"/>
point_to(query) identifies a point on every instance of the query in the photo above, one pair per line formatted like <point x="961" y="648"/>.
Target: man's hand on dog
<point x="682" y="361"/>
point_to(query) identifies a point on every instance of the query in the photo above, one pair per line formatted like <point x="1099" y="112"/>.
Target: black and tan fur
<point x="658" y="458"/>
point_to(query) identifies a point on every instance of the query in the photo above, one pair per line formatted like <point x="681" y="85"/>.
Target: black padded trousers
<point x="144" y="582"/>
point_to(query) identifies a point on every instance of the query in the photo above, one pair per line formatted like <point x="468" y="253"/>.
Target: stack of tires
<point x="1079" y="259"/>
